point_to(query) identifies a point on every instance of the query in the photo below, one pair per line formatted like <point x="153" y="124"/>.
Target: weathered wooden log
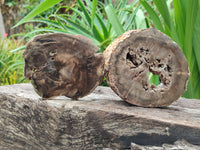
<point x="130" y="59"/>
<point x="63" y="64"/>
<point x="178" y="145"/>
<point x="99" y="120"/>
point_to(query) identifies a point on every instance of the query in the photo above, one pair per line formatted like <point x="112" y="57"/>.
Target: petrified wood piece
<point x="130" y="59"/>
<point x="63" y="64"/>
<point x="99" y="120"/>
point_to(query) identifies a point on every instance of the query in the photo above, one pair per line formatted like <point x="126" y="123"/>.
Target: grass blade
<point x="87" y="16"/>
<point x="191" y="14"/>
<point x="74" y="24"/>
<point x="156" y="21"/>
<point x="196" y="38"/>
<point x="169" y="26"/>
<point x="130" y="21"/>
<point x="194" y="79"/>
<point x="163" y="10"/>
<point x="140" y="20"/>
<point x="14" y="66"/>
<point x="189" y="27"/>
<point x="180" y="17"/>
<point x="45" y="21"/>
<point x="79" y="13"/>
<point x="42" y="7"/>
<point x="104" y="28"/>
<point x="94" y="6"/>
<point x="18" y="49"/>
<point x="96" y="32"/>
<point x="114" y="20"/>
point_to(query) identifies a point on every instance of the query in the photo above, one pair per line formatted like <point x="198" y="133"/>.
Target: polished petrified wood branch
<point x="135" y="54"/>
<point x="63" y="64"/>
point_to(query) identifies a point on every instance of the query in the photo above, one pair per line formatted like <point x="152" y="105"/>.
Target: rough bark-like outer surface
<point x="63" y="64"/>
<point x="99" y="120"/>
<point x="178" y="145"/>
<point x="130" y="58"/>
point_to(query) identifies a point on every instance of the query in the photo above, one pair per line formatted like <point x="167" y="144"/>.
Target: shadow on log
<point x="99" y="120"/>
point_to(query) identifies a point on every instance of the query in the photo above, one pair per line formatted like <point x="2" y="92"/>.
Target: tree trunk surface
<point x="100" y="120"/>
<point x="2" y="28"/>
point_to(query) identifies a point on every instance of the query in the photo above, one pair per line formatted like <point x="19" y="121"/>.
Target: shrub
<point x="11" y="64"/>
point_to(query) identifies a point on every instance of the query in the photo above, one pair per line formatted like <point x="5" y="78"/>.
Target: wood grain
<point x="63" y="64"/>
<point x="131" y="57"/>
<point x="99" y="120"/>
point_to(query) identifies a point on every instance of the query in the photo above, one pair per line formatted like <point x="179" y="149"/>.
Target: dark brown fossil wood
<point x="130" y="58"/>
<point x="63" y="64"/>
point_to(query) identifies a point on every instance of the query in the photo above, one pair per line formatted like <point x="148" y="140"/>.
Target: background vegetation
<point x="11" y="64"/>
<point x="103" y="22"/>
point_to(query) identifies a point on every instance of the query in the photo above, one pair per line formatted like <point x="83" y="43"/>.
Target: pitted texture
<point x="129" y="62"/>
<point x="62" y="64"/>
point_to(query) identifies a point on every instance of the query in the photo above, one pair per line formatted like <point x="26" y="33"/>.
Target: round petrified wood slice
<point x="135" y="54"/>
<point x="62" y="64"/>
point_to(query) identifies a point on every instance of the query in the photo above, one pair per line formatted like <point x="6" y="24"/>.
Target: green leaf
<point x="189" y="27"/>
<point x="114" y="20"/>
<point x="189" y="92"/>
<point x="130" y="21"/>
<point x="194" y="78"/>
<point x="13" y="66"/>
<point x="163" y="10"/>
<point x="21" y="80"/>
<point x="107" y="2"/>
<point x="89" y="4"/>
<point x="180" y="17"/>
<point x="87" y="16"/>
<point x="46" y="21"/>
<point x="18" y="49"/>
<point x="94" y="6"/>
<point x="140" y="20"/>
<point x="97" y="34"/>
<point x="78" y="13"/>
<point x="154" y="79"/>
<point x="105" y="31"/>
<point x="73" y="24"/>
<point x="191" y="16"/>
<point x="169" y="26"/>
<point x="156" y="21"/>
<point x="196" y="38"/>
<point x="42" y="7"/>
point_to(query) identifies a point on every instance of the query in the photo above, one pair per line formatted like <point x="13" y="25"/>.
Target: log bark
<point x="98" y="121"/>
<point x="178" y="145"/>
<point x="131" y="57"/>
<point x="63" y="64"/>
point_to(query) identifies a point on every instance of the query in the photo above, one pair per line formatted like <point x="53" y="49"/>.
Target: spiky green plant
<point x="98" y="21"/>
<point x="182" y="23"/>
<point x="11" y="64"/>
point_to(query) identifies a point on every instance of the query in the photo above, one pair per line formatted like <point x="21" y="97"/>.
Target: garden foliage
<point x="11" y="64"/>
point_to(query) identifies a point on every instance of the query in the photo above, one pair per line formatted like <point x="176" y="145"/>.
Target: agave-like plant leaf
<point x="114" y="20"/>
<point x="156" y="20"/>
<point x="42" y="7"/>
